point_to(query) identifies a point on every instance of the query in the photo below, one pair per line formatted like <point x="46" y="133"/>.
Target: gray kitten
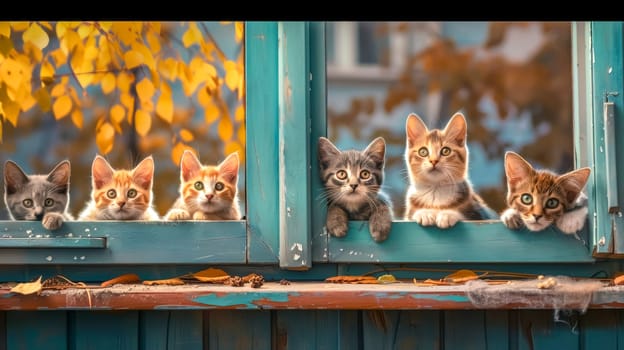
<point x="352" y="183"/>
<point x="43" y="198"/>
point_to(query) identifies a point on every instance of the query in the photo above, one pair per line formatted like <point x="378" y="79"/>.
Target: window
<point x="119" y="83"/>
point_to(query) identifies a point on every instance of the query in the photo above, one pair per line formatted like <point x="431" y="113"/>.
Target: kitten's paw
<point x="511" y="218"/>
<point x="178" y="214"/>
<point x="573" y="221"/>
<point x="198" y="215"/>
<point x="448" y="218"/>
<point x="425" y="217"/>
<point x="52" y="221"/>
<point x="337" y="229"/>
<point x="379" y="227"/>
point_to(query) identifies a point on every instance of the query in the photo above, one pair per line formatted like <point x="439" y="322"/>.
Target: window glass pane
<point x="124" y="90"/>
<point x="512" y="81"/>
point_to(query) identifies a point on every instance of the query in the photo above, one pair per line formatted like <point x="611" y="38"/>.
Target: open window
<point x="126" y="90"/>
<point x="518" y="87"/>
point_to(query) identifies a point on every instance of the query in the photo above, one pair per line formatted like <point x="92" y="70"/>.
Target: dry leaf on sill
<point x="461" y="276"/>
<point x="167" y="282"/>
<point x="127" y="278"/>
<point x="352" y="279"/>
<point x="619" y="280"/>
<point x="28" y="287"/>
<point x="211" y="275"/>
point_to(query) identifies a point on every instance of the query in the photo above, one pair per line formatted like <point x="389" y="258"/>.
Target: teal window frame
<point x="284" y="225"/>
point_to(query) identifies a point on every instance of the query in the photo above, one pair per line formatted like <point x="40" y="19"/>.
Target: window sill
<point x="296" y="295"/>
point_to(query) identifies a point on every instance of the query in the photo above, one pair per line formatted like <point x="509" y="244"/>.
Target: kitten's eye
<point x="423" y="152"/>
<point x="131" y="193"/>
<point x="526" y="198"/>
<point x="199" y="185"/>
<point x="218" y="186"/>
<point x="445" y="151"/>
<point x="48" y="202"/>
<point x="111" y="194"/>
<point x="28" y="203"/>
<point x="365" y="174"/>
<point x="552" y="203"/>
<point x="341" y="174"/>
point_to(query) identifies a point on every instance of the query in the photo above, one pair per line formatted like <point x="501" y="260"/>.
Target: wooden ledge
<point x="298" y="295"/>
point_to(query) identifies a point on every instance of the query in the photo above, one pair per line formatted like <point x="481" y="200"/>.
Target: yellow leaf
<point x="127" y="32"/>
<point x="11" y="111"/>
<point x="5" y="29"/>
<point x="142" y="122"/>
<point x="128" y="101"/>
<point x="168" y="68"/>
<point x="117" y="114"/>
<point x="123" y="81"/>
<point x="232" y="76"/>
<point x="239" y="29"/>
<point x="46" y="25"/>
<point x="192" y="35"/>
<point x="386" y="279"/>
<point x="104" y="137"/>
<point x="36" y="35"/>
<point x="58" y="90"/>
<point x="1" y="122"/>
<point x="164" y="106"/>
<point x="69" y="41"/>
<point x="28" y="288"/>
<point x="61" y="27"/>
<point x="178" y="150"/>
<point x="13" y="73"/>
<point x="225" y="129"/>
<point x="77" y="118"/>
<point x="27" y="101"/>
<point x="186" y="135"/>
<point x="239" y="116"/>
<point x="203" y="97"/>
<point x="133" y="59"/>
<point x="154" y="42"/>
<point x="461" y="276"/>
<point x="43" y="99"/>
<point x="211" y="113"/>
<point x="46" y="73"/>
<point x="145" y="89"/>
<point x="108" y="83"/>
<point x="210" y="272"/>
<point x="19" y="26"/>
<point x="234" y="146"/>
<point x="168" y="282"/>
<point x="62" y="106"/>
<point x="146" y="54"/>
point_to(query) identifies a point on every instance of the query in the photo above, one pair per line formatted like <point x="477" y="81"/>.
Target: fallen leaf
<point x="386" y="279"/>
<point x="127" y="278"/>
<point x="350" y="279"/>
<point x="28" y="288"/>
<point x="169" y="282"/>
<point x="618" y="280"/>
<point x="212" y="275"/>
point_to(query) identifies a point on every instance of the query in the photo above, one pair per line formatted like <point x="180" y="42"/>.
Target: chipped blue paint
<point x="244" y="299"/>
<point x="453" y="298"/>
<point x="387" y="295"/>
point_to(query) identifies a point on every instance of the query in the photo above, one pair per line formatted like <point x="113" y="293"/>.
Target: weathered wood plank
<point x="405" y="329"/>
<point x="103" y="330"/>
<point x="539" y="331"/>
<point x="298" y="329"/>
<point x="600" y="328"/>
<point x="239" y="330"/>
<point x="176" y="329"/>
<point x="57" y="242"/>
<point x="36" y="330"/>
<point x="297" y="295"/>
<point x="186" y="242"/>
<point x="486" y="241"/>
<point x="465" y="330"/>
<point x="497" y="329"/>
<point x="261" y="122"/>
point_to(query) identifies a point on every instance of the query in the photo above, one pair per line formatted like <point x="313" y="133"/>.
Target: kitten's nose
<point x="537" y="217"/>
<point x="209" y="196"/>
<point x="39" y="216"/>
<point x="354" y="186"/>
<point x="121" y="204"/>
<point x="433" y="162"/>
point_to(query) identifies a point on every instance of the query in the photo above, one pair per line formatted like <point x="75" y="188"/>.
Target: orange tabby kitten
<point x="437" y="161"/>
<point x="120" y="194"/>
<point x="207" y="192"/>
<point x="538" y="198"/>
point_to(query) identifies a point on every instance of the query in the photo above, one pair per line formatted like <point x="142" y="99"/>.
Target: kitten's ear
<point x="229" y="168"/>
<point x="101" y="171"/>
<point x="60" y="174"/>
<point x="376" y="151"/>
<point x="516" y="169"/>
<point x="415" y="129"/>
<point x="456" y="129"/>
<point x="14" y="177"/>
<point x="189" y="165"/>
<point x="326" y="151"/>
<point x="573" y="183"/>
<point x="143" y="173"/>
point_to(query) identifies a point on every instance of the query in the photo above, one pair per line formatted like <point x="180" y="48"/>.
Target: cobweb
<point x="566" y="294"/>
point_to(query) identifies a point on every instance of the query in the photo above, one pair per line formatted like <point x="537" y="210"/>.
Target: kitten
<point x="538" y="198"/>
<point x="352" y="183"/>
<point x="120" y="194"/>
<point x="207" y="192"/>
<point x="38" y="197"/>
<point x="439" y="192"/>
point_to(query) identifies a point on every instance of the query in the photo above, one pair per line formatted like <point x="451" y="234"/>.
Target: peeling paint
<point x="438" y="297"/>
<point x="246" y="300"/>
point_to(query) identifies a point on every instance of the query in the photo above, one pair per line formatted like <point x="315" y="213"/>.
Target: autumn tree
<point x="124" y="90"/>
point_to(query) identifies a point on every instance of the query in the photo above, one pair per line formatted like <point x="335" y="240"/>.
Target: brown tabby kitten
<point x="38" y="197"/>
<point x="539" y="198"/>
<point x="352" y="181"/>
<point x="439" y="192"/>
<point x="120" y="194"/>
<point x="207" y="192"/>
